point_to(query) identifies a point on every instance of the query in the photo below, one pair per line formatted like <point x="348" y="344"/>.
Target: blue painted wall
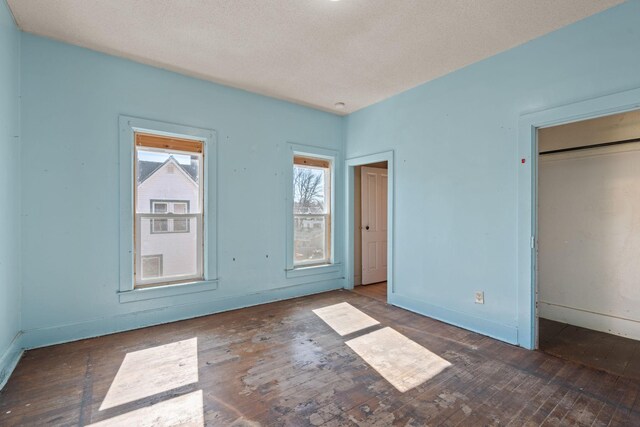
<point x="9" y="191"/>
<point x="71" y="100"/>
<point x="455" y="141"/>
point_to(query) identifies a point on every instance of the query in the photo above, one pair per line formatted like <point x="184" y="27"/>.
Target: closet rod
<point x="585" y="147"/>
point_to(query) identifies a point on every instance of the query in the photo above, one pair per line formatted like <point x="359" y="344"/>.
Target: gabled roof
<point x="146" y="169"/>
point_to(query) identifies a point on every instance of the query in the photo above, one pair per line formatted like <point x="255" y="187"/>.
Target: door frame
<point x="528" y="193"/>
<point x="350" y="165"/>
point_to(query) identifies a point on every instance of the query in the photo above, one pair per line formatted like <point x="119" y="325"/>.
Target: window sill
<point x="313" y="270"/>
<point x="167" y="291"/>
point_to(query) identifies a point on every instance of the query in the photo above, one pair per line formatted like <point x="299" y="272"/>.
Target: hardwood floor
<point x="280" y="364"/>
<point x="611" y="353"/>
<point x="377" y="291"/>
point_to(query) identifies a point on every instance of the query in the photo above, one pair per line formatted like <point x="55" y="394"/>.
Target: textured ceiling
<point x="312" y="52"/>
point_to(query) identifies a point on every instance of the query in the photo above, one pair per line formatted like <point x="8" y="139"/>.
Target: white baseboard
<point x="586" y="319"/>
<point x="41" y="337"/>
<point x="10" y="358"/>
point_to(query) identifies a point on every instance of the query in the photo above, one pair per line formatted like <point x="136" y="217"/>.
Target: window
<point x="159" y="225"/>
<point x="311" y="211"/>
<point x="151" y="266"/>
<point x="173" y="225"/>
<point x="158" y="160"/>
<point x="160" y="207"/>
<point x="168" y="226"/>
<point x="180" y="225"/>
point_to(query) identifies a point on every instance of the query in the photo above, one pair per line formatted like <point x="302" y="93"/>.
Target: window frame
<point x="127" y="291"/>
<point x="169" y="145"/>
<point x="328" y="211"/>
<point x="292" y="269"/>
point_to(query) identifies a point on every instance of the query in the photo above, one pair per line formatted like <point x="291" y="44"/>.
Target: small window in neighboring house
<point x="180" y="225"/>
<point x="151" y="266"/>
<point x="173" y="225"/>
<point x="168" y="210"/>
<point x="160" y="207"/>
<point x="180" y="207"/>
<point x="159" y="225"/>
<point x="311" y="211"/>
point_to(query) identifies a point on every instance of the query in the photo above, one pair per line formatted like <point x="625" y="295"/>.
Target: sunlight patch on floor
<point x="185" y="410"/>
<point x="154" y="370"/>
<point x="401" y="361"/>
<point x="344" y="318"/>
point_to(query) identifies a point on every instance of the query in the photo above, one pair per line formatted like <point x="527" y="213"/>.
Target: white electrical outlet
<point x="479" y="297"/>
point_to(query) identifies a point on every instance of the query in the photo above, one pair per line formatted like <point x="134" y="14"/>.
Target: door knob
<point x="367" y="227"/>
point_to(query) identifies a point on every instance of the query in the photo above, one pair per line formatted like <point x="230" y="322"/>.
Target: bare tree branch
<point x="308" y="188"/>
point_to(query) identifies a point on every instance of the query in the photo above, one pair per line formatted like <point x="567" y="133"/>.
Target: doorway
<point x="370" y="232"/>
<point x="588" y="232"/>
<point x="370" y="229"/>
<point x="527" y="158"/>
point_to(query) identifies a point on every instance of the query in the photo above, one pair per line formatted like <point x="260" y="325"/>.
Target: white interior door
<point x="374" y="224"/>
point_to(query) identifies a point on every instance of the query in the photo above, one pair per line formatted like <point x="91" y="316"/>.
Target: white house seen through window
<point x="311" y="211"/>
<point x="168" y="210"/>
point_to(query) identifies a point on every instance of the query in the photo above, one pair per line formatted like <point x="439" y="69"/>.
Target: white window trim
<point x="334" y="265"/>
<point x="128" y="127"/>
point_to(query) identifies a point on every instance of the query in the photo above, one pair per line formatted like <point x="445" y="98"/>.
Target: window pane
<point x="179" y="250"/>
<point x="159" y="207"/>
<point x="311" y="208"/>
<point x="179" y="208"/>
<point x="180" y="225"/>
<point x="152" y="266"/>
<point x="160" y="225"/>
<point x="309" y="238"/>
<point x="168" y="183"/>
<point x="157" y="186"/>
<point x="309" y="190"/>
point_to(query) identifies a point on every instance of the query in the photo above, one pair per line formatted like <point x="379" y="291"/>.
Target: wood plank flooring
<point x="611" y="353"/>
<point x="377" y="291"/>
<point x="281" y="365"/>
